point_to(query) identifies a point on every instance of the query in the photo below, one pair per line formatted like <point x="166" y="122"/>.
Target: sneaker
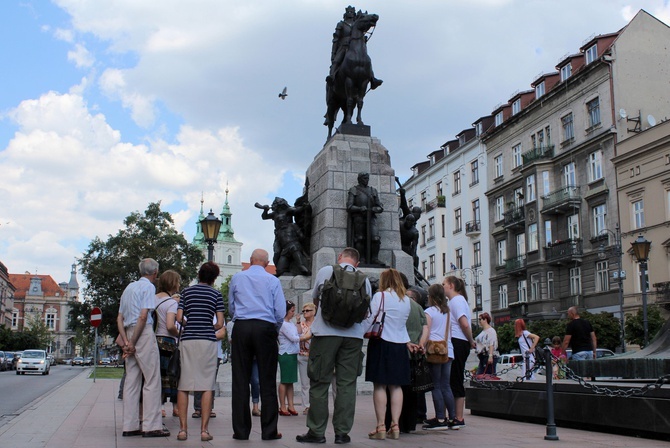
<point x="430" y="421"/>
<point x="436" y="425"/>
<point x="456" y="424"/>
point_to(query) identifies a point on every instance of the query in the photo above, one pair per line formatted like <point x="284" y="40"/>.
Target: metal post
<point x="210" y="250"/>
<point x="643" y="269"/>
<point x="551" y="424"/>
<point x="95" y="353"/>
<point x="619" y="257"/>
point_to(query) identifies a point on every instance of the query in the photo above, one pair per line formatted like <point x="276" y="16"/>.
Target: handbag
<point x="437" y="352"/>
<point x="377" y="327"/>
<point x="174" y="364"/>
<point x="421" y="378"/>
<point x="487" y="376"/>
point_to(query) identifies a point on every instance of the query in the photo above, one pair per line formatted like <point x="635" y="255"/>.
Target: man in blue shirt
<point x="257" y="305"/>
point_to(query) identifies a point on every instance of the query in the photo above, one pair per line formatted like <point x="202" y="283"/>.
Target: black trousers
<point x="254" y="338"/>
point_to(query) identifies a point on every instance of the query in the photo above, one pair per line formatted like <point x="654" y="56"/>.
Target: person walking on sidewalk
<point x="257" y="305"/>
<point x="579" y="335"/>
<point x="135" y="327"/>
<point x="334" y="350"/>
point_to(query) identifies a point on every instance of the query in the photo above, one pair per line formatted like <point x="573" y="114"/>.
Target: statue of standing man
<point x="363" y="206"/>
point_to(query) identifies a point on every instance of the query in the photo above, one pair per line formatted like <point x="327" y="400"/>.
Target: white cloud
<point x="113" y="84"/>
<point x="64" y="35"/>
<point x="81" y="57"/>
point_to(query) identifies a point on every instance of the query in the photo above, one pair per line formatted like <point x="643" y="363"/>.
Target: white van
<point x="509" y="359"/>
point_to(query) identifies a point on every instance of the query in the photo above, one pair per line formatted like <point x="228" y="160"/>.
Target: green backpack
<point x="344" y="298"/>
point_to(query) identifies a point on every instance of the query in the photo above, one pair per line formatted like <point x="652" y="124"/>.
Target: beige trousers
<point x="145" y="363"/>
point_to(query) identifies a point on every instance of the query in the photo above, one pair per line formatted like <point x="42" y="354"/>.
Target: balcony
<point x="514" y="217"/>
<point x="662" y="293"/>
<point x="515" y="265"/>
<point x="438" y="202"/>
<point x="563" y="251"/>
<point x="561" y="201"/>
<point x="538" y="153"/>
<point x="473" y="228"/>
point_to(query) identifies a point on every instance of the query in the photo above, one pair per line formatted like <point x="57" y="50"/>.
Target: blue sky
<point x="106" y="106"/>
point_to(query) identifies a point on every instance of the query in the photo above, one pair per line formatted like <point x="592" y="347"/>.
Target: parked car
<point x="88" y="361"/>
<point x="33" y="361"/>
<point x="9" y="360"/>
<point x="600" y="353"/>
<point x="52" y="360"/>
<point x="3" y="361"/>
<point x="508" y="359"/>
<point x="67" y="362"/>
<point x="78" y="361"/>
<point x="105" y="361"/>
<point x="15" y="361"/>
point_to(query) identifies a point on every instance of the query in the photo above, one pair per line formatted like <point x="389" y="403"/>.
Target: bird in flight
<point x="283" y="94"/>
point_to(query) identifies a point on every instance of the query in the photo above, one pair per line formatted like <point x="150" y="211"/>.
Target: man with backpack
<point x="336" y="349"/>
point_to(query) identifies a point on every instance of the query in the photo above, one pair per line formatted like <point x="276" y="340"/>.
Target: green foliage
<point x="38" y="329"/>
<point x="17" y="341"/>
<point x="635" y="325"/>
<point x="109" y="266"/>
<point x="547" y="329"/>
<point x="506" y="340"/>
<point x="607" y="329"/>
<point x="225" y="286"/>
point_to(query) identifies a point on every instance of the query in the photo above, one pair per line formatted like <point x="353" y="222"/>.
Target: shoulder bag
<point x="437" y="352"/>
<point x="375" y="331"/>
<point x="174" y="364"/>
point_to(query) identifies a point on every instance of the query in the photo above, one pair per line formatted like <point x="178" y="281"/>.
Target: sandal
<point x="306" y="411"/>
<point x="394" y="432"/>
<point x="256" y="413"/>
<point x="196" y="414"/>
<point x="182" y="435"/>
<point x="212" y="414"/>
<point x="377" y="434"/>
<point x="205" y="436"/>
<point x="292" y="411"/>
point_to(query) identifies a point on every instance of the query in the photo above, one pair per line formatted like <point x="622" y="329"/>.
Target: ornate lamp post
<point x="619" y="274"/>
<point x="474" y="273"/>
<point x="641" y="249"/>
<point x="210" y="227"/>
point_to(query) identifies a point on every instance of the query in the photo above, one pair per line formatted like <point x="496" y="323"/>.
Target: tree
<point x="38" y="329"/>
<point x="506" y="339"/>
<point x="607" y="328"/>
<point x="109" y="266"/>
<point x="635" y="325"/>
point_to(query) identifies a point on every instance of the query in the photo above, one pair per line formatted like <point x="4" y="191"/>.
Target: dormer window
<point x="566" y="71"/>
<point x="539" y="90"/>
<point x="479" y="129"/>
<point x="592" y="53"/>
<point x="499" y="118"/>
<point x="461" y="139"/>
<point x="516" y="107"/>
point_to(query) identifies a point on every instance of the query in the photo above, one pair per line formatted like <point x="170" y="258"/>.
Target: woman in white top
<point x="527" y="343"/>
<point x="289" y="346"/>
<point x="387" y="359"/>
<point x="167" y="331"/>
<point x="487" y="346"/>
<point x="439" y="325"/>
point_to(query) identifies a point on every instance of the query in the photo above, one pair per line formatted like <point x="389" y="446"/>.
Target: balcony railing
<point x="515" y="264"/>
<point x="563" y="251"/>
<point x="514" y="216"/>
<point x="473" y="228"/>
<point x="537" y="153"/>
<point x="561" y="200"/>
<point x="662" y="292"/>
<point x="435" y="203"/>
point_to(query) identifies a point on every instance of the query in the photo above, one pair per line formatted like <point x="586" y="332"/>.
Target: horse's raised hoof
<point x="374" y="83"/>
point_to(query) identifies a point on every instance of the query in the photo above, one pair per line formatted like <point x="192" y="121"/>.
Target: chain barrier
<point x="570" y="375"/>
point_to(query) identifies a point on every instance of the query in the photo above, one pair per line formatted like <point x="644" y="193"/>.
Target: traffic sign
<point x="96" y="317"/>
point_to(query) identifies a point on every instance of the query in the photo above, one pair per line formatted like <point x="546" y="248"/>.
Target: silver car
<point x="33" y="361"/>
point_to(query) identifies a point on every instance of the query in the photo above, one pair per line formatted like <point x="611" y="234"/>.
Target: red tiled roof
<point x="22" y="282"/>
<point x="270" y="269"/>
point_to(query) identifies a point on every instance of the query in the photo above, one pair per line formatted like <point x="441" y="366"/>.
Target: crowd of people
<point x="269" y="334"/>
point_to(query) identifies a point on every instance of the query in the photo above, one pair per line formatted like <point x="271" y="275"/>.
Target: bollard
<point x="551" y="425"/>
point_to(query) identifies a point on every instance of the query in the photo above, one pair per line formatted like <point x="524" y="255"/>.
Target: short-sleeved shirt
<point x="438" y="327"/>
<point x="138" y="295"/>
<point x="458" y="307"/>
<point x="200" y="303"/>
<point x="164" y="305"/>
<point x="580" y="335"/>
<point x="415" y="322"/>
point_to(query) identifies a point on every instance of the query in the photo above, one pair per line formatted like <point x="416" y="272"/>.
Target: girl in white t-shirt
<point x="527" y="343"/>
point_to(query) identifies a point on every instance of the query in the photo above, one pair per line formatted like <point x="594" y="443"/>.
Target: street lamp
<point x="210" y="227"/>
<point x="474" y="273"/>
<point x="619" y="274"/>
<point x="641" y="250"/>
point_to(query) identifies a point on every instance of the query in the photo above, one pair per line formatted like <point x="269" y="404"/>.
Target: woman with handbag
<point x="388" y="361"/>
<point x="167" y="331"/>
<point x="440" y="355"/>
<point x="199" y="305"/>
<point x="527" y="343"/>
<point x="487" y="346"/>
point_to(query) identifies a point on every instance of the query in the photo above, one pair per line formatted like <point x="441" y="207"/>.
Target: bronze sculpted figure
<point x="351" y="67"/>
<point x="409" y="234"/>
<point x="363" y="206"/>
<point x="289" y="257"/>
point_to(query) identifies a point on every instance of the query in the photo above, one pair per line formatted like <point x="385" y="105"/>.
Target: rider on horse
<point x="341" y="38"/>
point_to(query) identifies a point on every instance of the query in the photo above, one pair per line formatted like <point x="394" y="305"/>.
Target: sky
<point x="109" y="105"/>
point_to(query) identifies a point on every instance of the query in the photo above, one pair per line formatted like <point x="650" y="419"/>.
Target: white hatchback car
<point x="33" y="361"/>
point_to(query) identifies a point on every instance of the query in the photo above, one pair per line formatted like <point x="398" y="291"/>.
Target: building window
<point x="458" y="220"/>
<point x="518" y="197"/>
<point x="444" y="263"/>
<point x="592" y="53"/>
<point x="499" y="118"/>
<point x="475" y="210"/>
<point x="534" y="287"/>
<point x="477" y="253"/>
<point x="498" y="162"/>
<point x="479" y="129"/>
<point x="516" y="155"/>
<point x="444" y="226"/>
<point x="459" y="258"/>
<point x="521" y="292"/>
<point x="602" y="277"/>
<point x="595" y="166"/>
<point x="530" y="188"/>
<point x="550" y="284"/>
<point x="593" y="109"/>
<point x="502" y="252"/>
<point x="474" y="169"/>
<point x="575" y="281"/>
<point x="516" y="107"/>
<point x="568" y="128"/>
<point x="599" y="213"/>
<point x="532" y="237"/>
<point x="438" y="189"/>
<point x="566" y="71"/>
<point x="638" y="285"/>
<point x="520" y="244"/>
<point x="500" y="208"/>
<point x="545" y="183"/>
<point x="431" y="228"/>
<point x="15" y="319"/>
<point x="539" y="90"/>
<point x="431" y="266"/>
<point x="423" y="235"/>
<point x="573" y="227"/>
<point x="423" y="200"/>
<point x="424" y="268"/>
<point x="50" y="321"/>
<point x="569" y="178"/>
<point x="547" y="232"/>
<point x="457" y="182"/>
<point x="230" y="259"/>
<point x="502" y="296"/>
<point x="638" y="214"/>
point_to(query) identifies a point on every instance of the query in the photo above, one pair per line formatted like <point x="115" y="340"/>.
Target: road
<point x="19" y="391"/>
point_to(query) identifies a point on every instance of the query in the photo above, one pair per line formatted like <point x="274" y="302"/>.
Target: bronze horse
<point x="353" y="76"/>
